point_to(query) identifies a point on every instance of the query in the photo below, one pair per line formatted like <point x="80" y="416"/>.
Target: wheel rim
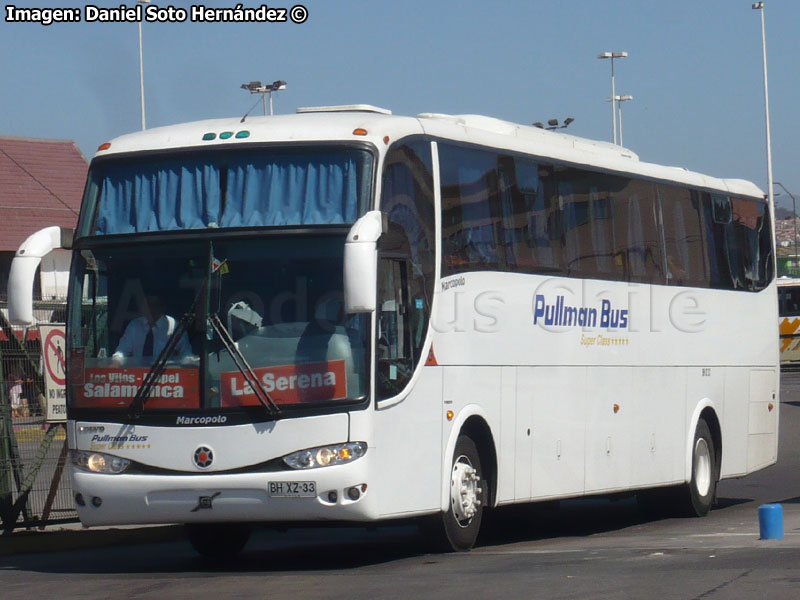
<point x="702" y="467"/>
<point x="464" y="491"/>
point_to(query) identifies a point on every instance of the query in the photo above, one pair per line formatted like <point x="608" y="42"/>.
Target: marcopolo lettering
<point x="560" y="314"/>
<point x="451" y="283"/>
<point x="215" y="420"/>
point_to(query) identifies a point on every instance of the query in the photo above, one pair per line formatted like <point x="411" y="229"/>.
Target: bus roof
<point x="380" y="128"/>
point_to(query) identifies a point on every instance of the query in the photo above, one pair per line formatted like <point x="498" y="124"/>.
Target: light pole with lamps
<point x="141" y="67"/>
<point x="612" y="56"/>
<point x="552" y="124"/>
<point x="759" y="6"/>
<point x="620" y="100"/>
<point x="794" y="221"/>
<point x="256" y="87"/>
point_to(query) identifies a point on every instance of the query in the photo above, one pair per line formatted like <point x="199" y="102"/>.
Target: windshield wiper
<point x="241" y="363"/>
<point x="160" y="364"/>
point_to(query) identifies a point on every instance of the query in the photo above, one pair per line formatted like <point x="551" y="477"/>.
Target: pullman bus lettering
<point x="559" y="314"/>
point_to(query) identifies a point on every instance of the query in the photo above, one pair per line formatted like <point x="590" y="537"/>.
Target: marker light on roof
<point x="242" y="134"/>
<point x="225" y="135"/>
<point x="359" y="131"/>
<point x="105" y="146"/>
<point x="209" y="136"/>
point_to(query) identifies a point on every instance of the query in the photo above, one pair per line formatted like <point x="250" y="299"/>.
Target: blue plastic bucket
<point x="770" y="521"/>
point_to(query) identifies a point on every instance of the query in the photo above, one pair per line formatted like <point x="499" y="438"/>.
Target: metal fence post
<point x="6" y="431"/>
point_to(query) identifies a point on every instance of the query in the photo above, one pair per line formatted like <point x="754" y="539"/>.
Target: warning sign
<point x="55" y="371"/>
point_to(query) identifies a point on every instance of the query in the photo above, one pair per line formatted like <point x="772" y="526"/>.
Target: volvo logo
<point x="203" y="457"/>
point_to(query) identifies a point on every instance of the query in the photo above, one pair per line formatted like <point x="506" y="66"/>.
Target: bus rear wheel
<point x="218" y="541"/>
<point x="700" y="492"/>
<point x="458" y="527"/>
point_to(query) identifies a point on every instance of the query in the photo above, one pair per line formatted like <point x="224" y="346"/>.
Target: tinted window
<point x="687" y="261"/>
<point x="530" y="223"/>
<point x="588" y="236"/>
<point x="637" y="240"/>
<point x="406" y="265"/>
<point x="507" y="212"/>
<point x="471" y="211"/>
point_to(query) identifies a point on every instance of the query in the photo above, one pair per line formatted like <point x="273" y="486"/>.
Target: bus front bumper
<point x="339" y="493"/>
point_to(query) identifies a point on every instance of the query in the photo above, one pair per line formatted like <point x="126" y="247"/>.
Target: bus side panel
<point x="762" y="431"/>
<point x="609" y="419"/>
<point x="522" y="435"/>
<point x="408" y="451"/>
<point x="735" y="422"/>
<point x="510" y="422"/>
<point x="657" y="427"/>
<point x="480" y="387"/>
<point x="558" y="428"/>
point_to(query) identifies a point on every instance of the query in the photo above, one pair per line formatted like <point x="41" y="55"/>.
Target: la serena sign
<point x="288" y="384"/>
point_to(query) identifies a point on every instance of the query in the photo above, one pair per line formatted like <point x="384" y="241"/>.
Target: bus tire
<point x="457" y="528"/>
<point x="218" y="541"/>
<point x="699" y="494"/>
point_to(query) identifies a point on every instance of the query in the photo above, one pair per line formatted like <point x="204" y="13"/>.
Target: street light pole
<point x="620" y="100"/>
<point x="794" y="221"/>
<point x="612" y="56"/>
<point x="256" y="87"/>
<point x="141" y="67"/>
<point x="759" y="6"/>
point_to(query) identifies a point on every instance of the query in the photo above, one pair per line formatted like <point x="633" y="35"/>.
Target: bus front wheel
<point x="458" y="527"/>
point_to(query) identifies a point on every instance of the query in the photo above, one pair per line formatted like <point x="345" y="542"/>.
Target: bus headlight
<point x="97" y="462"/>
<point x="326" y="456"/>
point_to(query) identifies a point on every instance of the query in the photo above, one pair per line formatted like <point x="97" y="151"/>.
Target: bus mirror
<point x="23" y="270"/>
<point x="361" y="263"/>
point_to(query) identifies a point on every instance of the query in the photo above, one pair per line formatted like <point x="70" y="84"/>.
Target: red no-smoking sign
<point x="53" y="353"/>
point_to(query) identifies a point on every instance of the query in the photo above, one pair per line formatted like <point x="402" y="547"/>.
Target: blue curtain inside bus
<point x="260" y="190"/>
<point x="175" y="195"/>
<point x="290" y="190"/>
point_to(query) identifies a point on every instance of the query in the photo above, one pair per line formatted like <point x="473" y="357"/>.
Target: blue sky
<point x="694" y="70"/>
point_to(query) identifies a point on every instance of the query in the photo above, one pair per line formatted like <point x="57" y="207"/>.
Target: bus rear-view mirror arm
<point x="23" y="270"/>
<point x="361" y="263"/>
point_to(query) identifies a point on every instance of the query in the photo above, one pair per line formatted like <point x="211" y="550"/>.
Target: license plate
<point x="292" y="489"/>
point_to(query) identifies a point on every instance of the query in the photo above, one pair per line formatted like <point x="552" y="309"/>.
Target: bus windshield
<point x="247" y="187"/>
<point x="279" y="299"/>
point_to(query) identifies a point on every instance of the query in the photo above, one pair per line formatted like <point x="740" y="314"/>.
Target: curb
<point x="32" y="542"/>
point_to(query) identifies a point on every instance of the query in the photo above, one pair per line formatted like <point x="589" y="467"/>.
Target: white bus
<point x="789" y="315"/>
<point x="362" y="317"/>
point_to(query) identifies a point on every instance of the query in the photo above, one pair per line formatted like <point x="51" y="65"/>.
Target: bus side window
<point x="406" y="268"/>
<point x="687" y="262"/>
<point x="472" y="216"/>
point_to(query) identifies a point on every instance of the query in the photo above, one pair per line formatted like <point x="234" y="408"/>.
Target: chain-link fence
<point x="35" y="488"/>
